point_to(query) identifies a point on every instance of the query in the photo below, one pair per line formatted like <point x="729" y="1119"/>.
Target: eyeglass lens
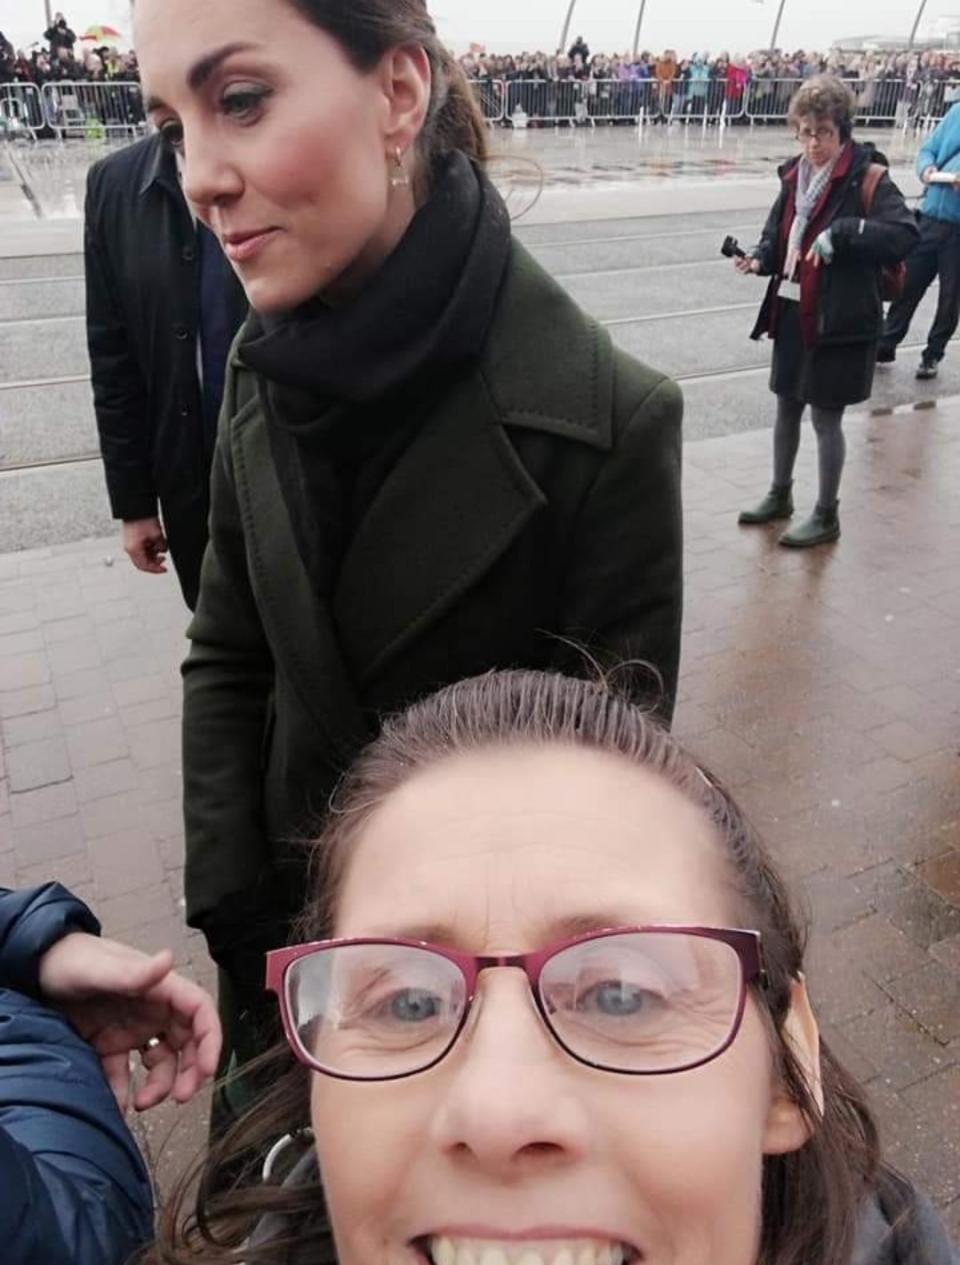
<point x="821" y="134"/>
<point x="637" y="1002"/>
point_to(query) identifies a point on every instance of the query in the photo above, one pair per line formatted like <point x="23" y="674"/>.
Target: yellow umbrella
<point x="102" y="35"/>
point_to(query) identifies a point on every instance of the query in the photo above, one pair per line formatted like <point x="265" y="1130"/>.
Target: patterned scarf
<point x="811" y="183"/>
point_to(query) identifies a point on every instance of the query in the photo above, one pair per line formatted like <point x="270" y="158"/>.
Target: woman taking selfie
<point x="430" y="461"/>
<point x="549" y="1007"/>
<point x="838" y="220"/>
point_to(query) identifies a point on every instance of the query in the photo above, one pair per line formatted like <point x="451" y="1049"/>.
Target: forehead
<point x="170" y="35"/>
<point x="506" y="845"/>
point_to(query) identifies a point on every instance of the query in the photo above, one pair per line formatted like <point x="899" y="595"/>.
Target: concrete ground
<point x="824" y="687"/>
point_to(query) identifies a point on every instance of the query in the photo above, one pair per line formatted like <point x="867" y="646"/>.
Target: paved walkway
<point x="824" y="686"/>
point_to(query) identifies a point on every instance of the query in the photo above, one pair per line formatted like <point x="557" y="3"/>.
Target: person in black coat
<point x="838" y="220"/>
<point x="431" y="462"/>
<point x="59" y="35"/>
<point x="157" y="286"/>
<point x="73" y="1008"/>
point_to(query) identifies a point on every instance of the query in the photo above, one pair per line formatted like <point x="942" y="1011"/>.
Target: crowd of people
<point x="926" y="83"/>
<point x="65" y="57"/>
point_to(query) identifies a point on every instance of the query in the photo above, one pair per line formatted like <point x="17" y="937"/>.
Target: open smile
<point x="477" y="1250"/>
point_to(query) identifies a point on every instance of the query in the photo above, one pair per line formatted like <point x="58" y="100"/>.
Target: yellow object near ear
<point x="787" y="1126"/>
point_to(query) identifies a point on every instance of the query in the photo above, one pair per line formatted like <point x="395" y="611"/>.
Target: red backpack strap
<point x="868" y="188"/>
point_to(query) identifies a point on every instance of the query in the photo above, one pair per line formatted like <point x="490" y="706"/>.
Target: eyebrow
<point x="200" y="72"/>
<point x="566" y="928"/>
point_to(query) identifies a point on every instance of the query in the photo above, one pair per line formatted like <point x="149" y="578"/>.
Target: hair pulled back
<point x="811" y="1198"/>
<point x="366" y="29"/>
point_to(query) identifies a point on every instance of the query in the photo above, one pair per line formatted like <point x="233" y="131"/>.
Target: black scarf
<point x="346" y="387"/>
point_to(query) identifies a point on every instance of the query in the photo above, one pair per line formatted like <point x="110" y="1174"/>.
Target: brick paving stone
<point x="141" y="689"/>
<point x="72" y="685"/>
<point x="898" y="1047"/>
<point x="77" y="628"/>
<point x="130" y="910"/>
<point x="34" y="727"/>
<point x="943" y="875"/>
<point x="47" y="841"/>
<point x="18" y="621"/>
<point x="67" y="657"/>
<point x="108" y="816"/>
<point x="48" y="803"/>
<point x="138" y="714"/>
<point x="931" y="996"/>
<point x="102" y="780"/>
<point x="936" y="1106"/>
<point x="948" y="953"/>
<point x="86" y="707"/>
<point x="12" y="645"/>
<point x="157" y="742"/>
<point x="923" y="915"/>
<point x="20" y="671"/>
<point x="72" y="871"/>
<point x="38" y="764"/>
<point x="124" y="863"/>
<point x="97" y="742"/>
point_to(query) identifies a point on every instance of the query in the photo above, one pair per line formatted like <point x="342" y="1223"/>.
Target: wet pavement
<point x="823" y="686"/>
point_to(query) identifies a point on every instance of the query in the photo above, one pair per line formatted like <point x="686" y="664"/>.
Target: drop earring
<point x="398" y="176"/>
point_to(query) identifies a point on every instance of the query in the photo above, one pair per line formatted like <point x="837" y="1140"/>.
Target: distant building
<point x="947" y="37"/>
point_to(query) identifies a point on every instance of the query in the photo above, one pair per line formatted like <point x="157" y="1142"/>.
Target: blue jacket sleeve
<point x="30" y="923"/>
<point x="73" y="1187"/>
<point x="942" y="144"/>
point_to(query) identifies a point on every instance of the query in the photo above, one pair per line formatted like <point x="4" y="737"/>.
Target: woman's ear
<point x="406" y="81"/>
<point x="788" y="1128"/>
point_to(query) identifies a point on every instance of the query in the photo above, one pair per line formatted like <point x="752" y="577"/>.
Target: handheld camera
<point x="732" y="249"/>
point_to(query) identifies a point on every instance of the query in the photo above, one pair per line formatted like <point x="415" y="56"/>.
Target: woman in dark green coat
<point x="431" y="463"/>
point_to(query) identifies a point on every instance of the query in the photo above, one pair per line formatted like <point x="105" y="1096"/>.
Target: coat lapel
<point x="460" y="496"/>
<point x="454" y="504"/>
<point x="296" y="622"/>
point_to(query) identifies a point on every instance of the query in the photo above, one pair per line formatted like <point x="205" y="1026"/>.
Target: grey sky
<point x="688" y="25"/>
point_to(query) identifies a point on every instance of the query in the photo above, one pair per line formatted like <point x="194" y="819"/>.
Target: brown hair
<point x="366" y="29"/>
<point x="825" y="97"/>
<point x="811" y="1197"/>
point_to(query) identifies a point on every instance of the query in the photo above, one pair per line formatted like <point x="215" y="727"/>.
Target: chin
<point x="267" y="295"/>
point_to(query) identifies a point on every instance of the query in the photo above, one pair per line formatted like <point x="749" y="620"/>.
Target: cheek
<point x="367" y="1141"/>
<point x="694" y="1147"/>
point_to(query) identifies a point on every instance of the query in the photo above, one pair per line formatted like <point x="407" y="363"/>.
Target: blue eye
<point x="617" y="999"/>
<point x="413" y="1005"/>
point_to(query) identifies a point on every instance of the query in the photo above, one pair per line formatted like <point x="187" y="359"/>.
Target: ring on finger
<point x="150" y="1045"/>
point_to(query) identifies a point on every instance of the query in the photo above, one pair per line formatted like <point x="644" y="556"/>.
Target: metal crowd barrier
<point x="94" y="110"/>
<point x="21" y="110"/>
<point x="520" y="102"/>
<point x="491" y="95"/>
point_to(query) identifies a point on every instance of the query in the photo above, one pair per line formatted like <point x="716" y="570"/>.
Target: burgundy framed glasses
<point x="642" y="1001"/>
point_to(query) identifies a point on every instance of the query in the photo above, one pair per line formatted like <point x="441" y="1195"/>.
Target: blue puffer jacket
<point x="73" y="1188"/>
<point x="942" y="150"/>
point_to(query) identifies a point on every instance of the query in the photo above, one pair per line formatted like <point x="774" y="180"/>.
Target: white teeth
<point x="446" y="1251"/>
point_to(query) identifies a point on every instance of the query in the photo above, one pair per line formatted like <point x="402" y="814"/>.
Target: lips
<point x="243" y="246"/>
<point x="451" y="1250"/>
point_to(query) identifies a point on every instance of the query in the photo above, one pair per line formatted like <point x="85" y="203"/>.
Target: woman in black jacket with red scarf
<point x="838" y="222"/>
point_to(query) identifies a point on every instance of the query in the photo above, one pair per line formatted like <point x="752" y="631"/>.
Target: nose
<point x="209" y="176"/>
<point x="514" y="1098"/>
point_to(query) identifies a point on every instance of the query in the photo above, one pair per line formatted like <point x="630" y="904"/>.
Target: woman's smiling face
<point x="285" y="145"/>
<point x="509" y="1152"/>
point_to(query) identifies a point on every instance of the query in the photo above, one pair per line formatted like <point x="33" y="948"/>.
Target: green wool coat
<point x="537" y="505"/>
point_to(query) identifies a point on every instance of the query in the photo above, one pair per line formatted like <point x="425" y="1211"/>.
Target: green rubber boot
<point x="821" y="528"/>
<point x="778" y="503"/>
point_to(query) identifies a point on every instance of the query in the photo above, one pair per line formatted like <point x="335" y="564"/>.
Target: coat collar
<point x="160" y="167"/>
<point x="460" y="491"/>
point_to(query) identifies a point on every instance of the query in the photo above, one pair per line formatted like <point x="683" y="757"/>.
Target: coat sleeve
<point x="74" y="1187"/>
<point x="886" y="236"/>
<point x="30" y="923"/>
<point x="624" y="593"/>
<point x="228" y="680"/>
<point x="768" y="248"/>
<point x="119" y="393"/>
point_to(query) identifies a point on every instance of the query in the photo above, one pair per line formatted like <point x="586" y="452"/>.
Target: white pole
<point x="916" y="24"/>
<point x="636" y="34"/>
<point x="566" y="27"/>
<point x="776" y="25"/>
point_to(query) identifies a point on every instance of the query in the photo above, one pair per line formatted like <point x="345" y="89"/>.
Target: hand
<point x="927" y="173"/>
<point x="746" y="264"/>
<point x="118" y="999"/>
<point x="145" y="544"/>
<point x="822" y="250"/>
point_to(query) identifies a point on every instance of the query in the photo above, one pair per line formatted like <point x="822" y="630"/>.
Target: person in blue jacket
<point x="937" y="253"/>
<point x="73" y="1008"/>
